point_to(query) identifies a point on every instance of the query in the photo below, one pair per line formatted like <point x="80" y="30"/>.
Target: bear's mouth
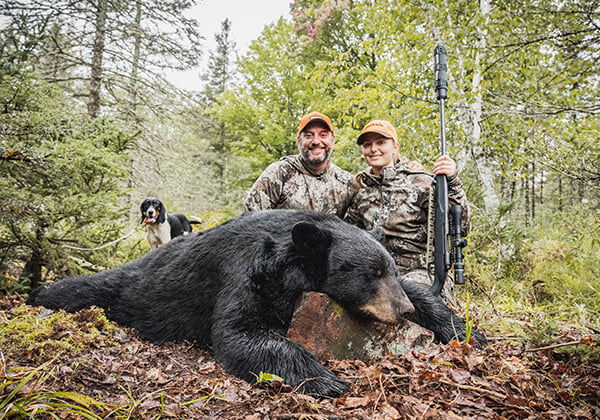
<point x="389" y="305"/>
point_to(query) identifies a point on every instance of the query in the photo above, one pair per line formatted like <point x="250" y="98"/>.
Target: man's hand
<point x="445" y="166"/>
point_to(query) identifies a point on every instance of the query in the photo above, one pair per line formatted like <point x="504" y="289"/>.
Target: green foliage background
<point x="64" y="183"/>
<point x="522" y="122"/>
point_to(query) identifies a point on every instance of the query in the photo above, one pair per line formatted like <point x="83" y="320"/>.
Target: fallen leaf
<point x="390" y="412"/>
<point x="353" y="402"/>
<point x="589" y="340"/>
<point x="173" y="409"/>
<point x="460" y="376"/>
<point x="207" y="367"/>
<point x="372" y="372"/>
<point x="473" y="360"/>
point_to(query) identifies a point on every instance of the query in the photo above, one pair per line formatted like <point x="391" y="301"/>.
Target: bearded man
<point x="308" y="180"/>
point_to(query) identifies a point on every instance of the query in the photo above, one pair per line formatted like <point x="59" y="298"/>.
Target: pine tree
<point x="217" y="79"/>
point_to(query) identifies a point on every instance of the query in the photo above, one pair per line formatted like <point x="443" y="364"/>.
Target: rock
<point x="326" y="329"/>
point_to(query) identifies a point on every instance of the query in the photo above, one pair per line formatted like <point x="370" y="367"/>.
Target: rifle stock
<point x="441" y="256"/>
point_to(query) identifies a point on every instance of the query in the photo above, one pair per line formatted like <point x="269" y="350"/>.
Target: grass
<point x="536" y="282"/>
<point x="14" y="403"/>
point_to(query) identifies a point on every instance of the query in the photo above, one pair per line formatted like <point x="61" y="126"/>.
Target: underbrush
<point x="533" y="283"/>
<point x="137" y="245"/>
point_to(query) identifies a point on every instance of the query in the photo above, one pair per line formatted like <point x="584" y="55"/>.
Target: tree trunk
<point x="560" y="193"/>
<point x="33" y="268"/>
<point x="526" y="194"/>
<point x="97" y="53"/>
<point x="132" y="112"/>
<point x="471" y="116"/>
<point x="223" y="155"/>
<point x="513" y="189"/>
<point x="133" y="99"/>
<point x="541" y="201"/>
<point x="571" y="189"/>
<point x="533" y="190"/>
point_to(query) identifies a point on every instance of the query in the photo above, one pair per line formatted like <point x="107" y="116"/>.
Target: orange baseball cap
<point x="314" y="116"/>
<point x="383" y="127"/>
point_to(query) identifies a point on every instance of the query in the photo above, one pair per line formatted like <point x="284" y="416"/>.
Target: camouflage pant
<point x="420" y="276"/>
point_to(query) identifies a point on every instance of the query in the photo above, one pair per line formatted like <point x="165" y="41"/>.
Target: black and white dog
<point x="160" y="226"/>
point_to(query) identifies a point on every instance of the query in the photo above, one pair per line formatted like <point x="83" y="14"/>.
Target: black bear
<point x="234" y="287"/>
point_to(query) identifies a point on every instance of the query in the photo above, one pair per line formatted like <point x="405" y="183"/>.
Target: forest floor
<point x="117" y="375"/>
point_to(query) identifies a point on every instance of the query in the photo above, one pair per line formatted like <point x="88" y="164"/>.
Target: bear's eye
<point x="378" y="273"/>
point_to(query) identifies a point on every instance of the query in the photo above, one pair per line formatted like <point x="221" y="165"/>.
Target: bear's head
<point x="360" y="273"/>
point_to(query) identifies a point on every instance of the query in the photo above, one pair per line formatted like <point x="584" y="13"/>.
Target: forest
<point x="91" y="125"/>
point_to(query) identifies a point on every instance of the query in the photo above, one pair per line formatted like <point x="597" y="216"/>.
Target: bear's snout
<point x="389" y="303"/>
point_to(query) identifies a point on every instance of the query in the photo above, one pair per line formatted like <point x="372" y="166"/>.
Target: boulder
<point x="323" y="327"/>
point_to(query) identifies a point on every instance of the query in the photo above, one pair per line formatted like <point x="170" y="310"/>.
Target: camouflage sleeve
<point x="347" y="211"/>
<point x="457" y="196"/>
<point x="266" y="192"/>
<point x="353" y="217"/>
<point x="353" y="213"/>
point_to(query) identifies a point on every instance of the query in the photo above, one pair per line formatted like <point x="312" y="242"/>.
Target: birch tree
<point x="471" y="113"/>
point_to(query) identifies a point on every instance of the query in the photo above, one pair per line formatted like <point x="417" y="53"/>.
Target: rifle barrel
<point x="442" y="127"/>
<point x="441" y="86"/>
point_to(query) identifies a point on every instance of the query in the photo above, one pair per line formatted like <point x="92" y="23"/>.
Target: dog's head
<point x="153" y="211"/>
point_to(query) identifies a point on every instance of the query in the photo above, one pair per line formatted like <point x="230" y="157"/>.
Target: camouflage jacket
<point x="398" y="201"/>
<point x="290" y="184"/>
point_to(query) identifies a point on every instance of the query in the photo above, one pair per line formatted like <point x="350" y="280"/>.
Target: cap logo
<point x="382" y="127"/>
<point x="314" y="116"/>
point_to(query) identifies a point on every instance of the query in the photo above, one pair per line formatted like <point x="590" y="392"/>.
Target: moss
<point x="339" y="311"/>
<point x="23" y="333"/>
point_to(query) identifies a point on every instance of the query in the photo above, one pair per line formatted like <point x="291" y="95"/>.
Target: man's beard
<point x="315" y="161"/>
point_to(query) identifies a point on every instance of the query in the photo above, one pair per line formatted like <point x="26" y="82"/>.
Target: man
<point x="308" y="180"/>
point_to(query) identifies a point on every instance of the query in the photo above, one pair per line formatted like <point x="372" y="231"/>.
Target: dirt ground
<point x="132" y="378"/>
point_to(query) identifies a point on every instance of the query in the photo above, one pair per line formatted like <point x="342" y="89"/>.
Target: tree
<point x="115" y="50"/>
<point x="217" y="79"/>
<point x="97" y="56"/>
<point x="18" y="41"/>
<point x="262" y="110"/>
<point x="60" y="173"/>
<point x="220" y="70"/>
<point x="523" y="95"/>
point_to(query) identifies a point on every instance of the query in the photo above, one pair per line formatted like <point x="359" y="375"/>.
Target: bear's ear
<point x="309" y="238"/>
<point x="262" y="265"/>
<point x="378" y="233"/>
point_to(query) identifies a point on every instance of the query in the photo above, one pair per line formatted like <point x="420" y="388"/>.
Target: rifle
<point x="443" y="259"/>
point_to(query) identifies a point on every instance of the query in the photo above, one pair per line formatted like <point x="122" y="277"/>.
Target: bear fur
<point x="234" y="287"/>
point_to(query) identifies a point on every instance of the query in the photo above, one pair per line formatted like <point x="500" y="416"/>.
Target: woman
<point x="394" y="194"/>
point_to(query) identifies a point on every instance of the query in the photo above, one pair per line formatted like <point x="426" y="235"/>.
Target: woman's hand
<point x="445" y="166"/>
<point x="414" y="166"/>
